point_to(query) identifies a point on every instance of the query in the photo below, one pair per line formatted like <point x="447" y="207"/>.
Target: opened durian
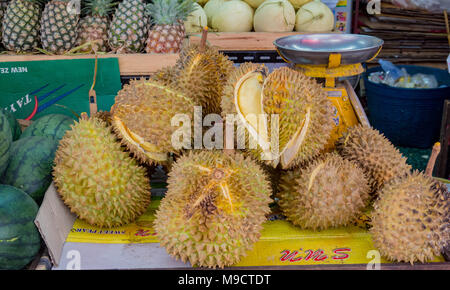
<point x="143" y="110"/>
<point x="214" y="208"/>
<point x="411" y="219"/>
<point x="375" y="154"/>
<point x="142" y="118"/>
<point x="96" y="178"/>
<point x="286" y="114"/>
<point x="329" y="192"/>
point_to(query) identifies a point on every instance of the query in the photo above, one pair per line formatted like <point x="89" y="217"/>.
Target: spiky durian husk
<point x="96" y="179"/>
<point x="200" y="74"/>
<point x="105" y="116"/>
<point x="221" y="61"/>
<point x="411" y="219"/>
<point x="214" y="208"/>
<point x="203" y="73"/>
<point x="298" y="94"/>
<point x="58" y="27"/>
<point x="329" y="192"/>
<point x="293" y="98"/>
<point x="145" y="108"/>
<point x="375" y="154"/>
<point x="166" y="75"/>
<point x="21" y="25"/>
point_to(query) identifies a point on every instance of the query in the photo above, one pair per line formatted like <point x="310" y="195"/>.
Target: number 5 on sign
<point x="373" y="264"/>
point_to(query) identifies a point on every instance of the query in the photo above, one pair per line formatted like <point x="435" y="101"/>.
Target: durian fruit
<point x="96" y="179"/>
<point x="204" y="72"/>
<point x="166" y="75"/>
<point x="142" y="118"/>
<point x="214" y="208"/>
<point x="143" y="110"/>
<point x="375" y="154"/>
<point x="105" y="116"/>
<point x="329" y="192"/>
<point x="199" y="72"/>
<point x="411" y="219"/>
<point x="284" y="103"/>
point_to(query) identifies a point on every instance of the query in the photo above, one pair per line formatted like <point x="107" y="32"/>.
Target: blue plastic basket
<point x="408" y="117"/>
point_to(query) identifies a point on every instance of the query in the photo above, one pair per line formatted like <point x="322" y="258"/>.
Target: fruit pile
<point x="217" y="200"/>
<point x="134" y="26"/>
<point x="262" y="16"/>
<point x="26" y="165"/>
<point x="131" y="26"/>
<point x="219" y="197"/>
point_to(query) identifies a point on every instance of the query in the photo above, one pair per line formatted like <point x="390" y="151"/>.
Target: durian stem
<point x="432" y="160"/>
<point x="203" y="40"/>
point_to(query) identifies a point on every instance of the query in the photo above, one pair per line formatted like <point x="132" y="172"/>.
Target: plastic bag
<point x="418" y="81"/>
<point x="424" y="81"/>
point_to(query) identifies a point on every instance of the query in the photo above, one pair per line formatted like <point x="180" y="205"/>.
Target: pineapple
<point x="20" y="26"/>
<point x="94" y="27"/>
<point x="167" y="33"/>
<point x="59" y="26"/>
<point x="3" y="6"/>
<point x="128" y="27"/>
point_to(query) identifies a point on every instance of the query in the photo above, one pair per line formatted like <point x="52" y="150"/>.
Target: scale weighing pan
<point x="315" y="49"/>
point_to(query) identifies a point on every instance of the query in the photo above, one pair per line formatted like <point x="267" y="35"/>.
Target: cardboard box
<point x="73" y="244"/>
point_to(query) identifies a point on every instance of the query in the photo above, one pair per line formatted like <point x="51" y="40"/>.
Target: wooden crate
<point x="129" y="64"/>
<point x="243" y="41"/>
<point x="146" y="64"/>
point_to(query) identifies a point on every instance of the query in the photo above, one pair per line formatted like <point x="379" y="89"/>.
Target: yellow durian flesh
<point x="249" y="105"/>
<point x="147" y="148"/>
<point x="228" y="103"/>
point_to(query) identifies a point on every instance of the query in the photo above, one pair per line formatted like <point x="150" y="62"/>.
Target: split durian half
<point x="142" y="118"/>
<point x="285" y="113"/>
<point x="143" y="110"/>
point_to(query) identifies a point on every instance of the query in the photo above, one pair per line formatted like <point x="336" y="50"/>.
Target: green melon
<point x="19" y="238"/>
<point x="30" y="165"/>
<point x="14" y="124"/>
<point x="5" y="142"/>
<point x="53" y="125"/>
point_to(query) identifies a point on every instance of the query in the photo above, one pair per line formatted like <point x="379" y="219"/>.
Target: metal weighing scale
<point x="329" y="57"/>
